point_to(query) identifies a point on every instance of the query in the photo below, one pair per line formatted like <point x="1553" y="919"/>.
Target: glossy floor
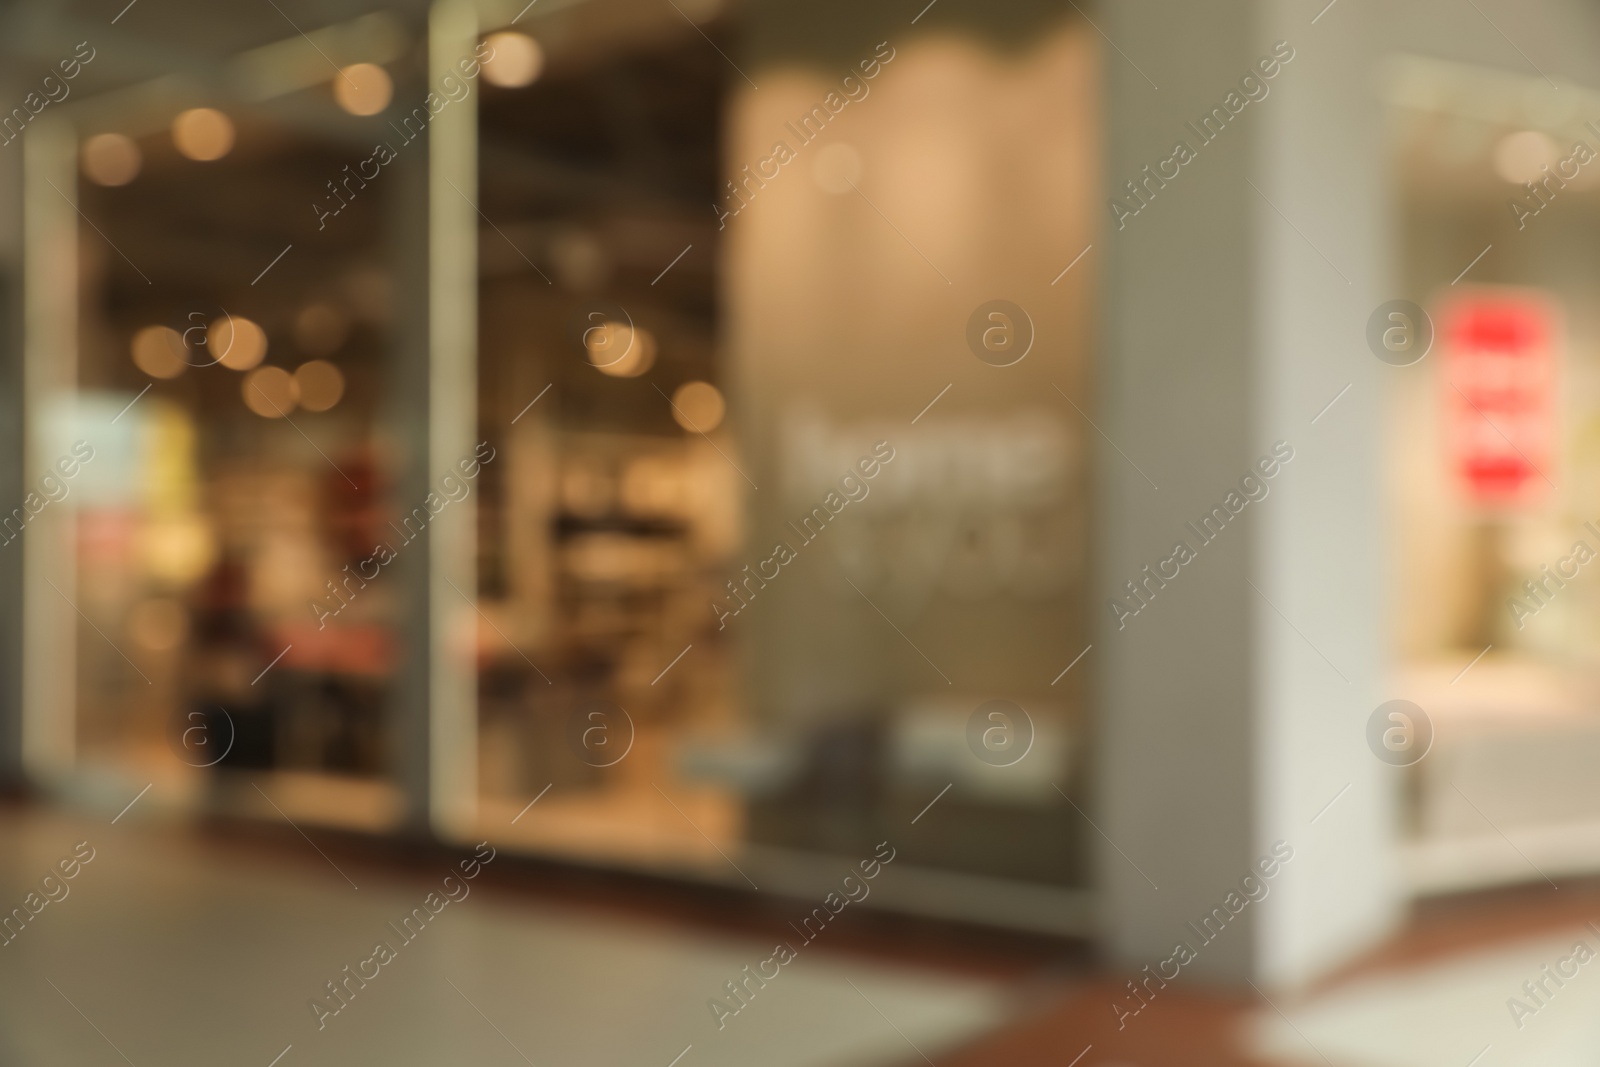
<point x="171" y="948"/>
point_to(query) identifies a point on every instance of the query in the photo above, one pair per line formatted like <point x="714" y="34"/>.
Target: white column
<point x="1232" y="705"/>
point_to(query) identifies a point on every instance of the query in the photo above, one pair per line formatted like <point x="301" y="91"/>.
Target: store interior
<point x="245" y="581"/>
<point x="684" y="450"/>
<point x="1493" y="475"/>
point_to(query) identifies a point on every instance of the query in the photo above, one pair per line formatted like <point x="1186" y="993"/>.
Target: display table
<point x="1510" y="791"/>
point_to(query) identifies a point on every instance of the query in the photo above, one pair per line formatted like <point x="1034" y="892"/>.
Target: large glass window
<point x="607" y="524"/>
<point x="689" y="365"/>
<point x="1493" y="484"/>
<point x="781" y="519"/>
<point x="234" y="328"/>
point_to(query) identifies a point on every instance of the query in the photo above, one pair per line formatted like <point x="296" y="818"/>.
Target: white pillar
<point x="1232" y="705"/>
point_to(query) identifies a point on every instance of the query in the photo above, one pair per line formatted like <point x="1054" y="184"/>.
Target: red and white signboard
<point x="1498" y="379"/>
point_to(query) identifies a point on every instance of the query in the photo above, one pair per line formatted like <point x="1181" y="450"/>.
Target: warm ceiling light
<point x="515" y="61"/>
<point x="203" y="133"/>
<point x="111" y="159"/>
<point x="1521" y="157"/>
<point x="363" y="88"/>
<point x="236" y="342"/>
<point x="158" y="351"/>
<point x="319" y="384"/>
<point x="619" y="349"/>
<point x="698" y="406"/>
<point x="269" y="392"/>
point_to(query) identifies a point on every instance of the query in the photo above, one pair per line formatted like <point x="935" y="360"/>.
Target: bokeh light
<point x="363" y="88"/>
<point x="319" y="385"/>
<point x="203" y="134"/>
<point x="698" y="406"/>
<point x="269" y="392"/>
<point x="620" y="350"/>
<point x="236" y="342"/>
<point x="516" y="61"/>
<point x="111" y="159"/>
<point x="158" y="351"/>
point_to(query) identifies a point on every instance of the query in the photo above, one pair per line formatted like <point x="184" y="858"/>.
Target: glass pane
<point x="607" y="521"/>
<point x="748" y="606"/>
<point x="1494" y="464"/>
<point x="234" y="367"/>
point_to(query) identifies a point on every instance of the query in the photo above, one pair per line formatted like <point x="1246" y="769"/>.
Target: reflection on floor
<point x="1189" y="1027"/>
<point x="177" y="948"/>
<point x="633" y="823"/>
<point x="1436" y="994"/>
<point x="1447" y="1013"/>
<point x="166" y="948"/>
<point x="1441" y="992"/>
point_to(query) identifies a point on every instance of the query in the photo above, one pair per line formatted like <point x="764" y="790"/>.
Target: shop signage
<point x="1498" y="380"/>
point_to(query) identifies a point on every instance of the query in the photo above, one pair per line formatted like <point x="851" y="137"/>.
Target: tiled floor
<point x="1439" y="995"/>
<point x="1434" y="996"/>
<point x="178" y="947"/>
<point x="174" y="949"/>
<point x="1450" y="1013"/>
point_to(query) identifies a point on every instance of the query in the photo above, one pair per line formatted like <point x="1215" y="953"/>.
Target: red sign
<point x="1499" y="384"/>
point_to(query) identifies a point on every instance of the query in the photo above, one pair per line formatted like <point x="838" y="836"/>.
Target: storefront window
<point x="233" y="368"/>
<point x="1493" y="482"/>
<point x="776" y="545"/>
<point x="722" y="533"/>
